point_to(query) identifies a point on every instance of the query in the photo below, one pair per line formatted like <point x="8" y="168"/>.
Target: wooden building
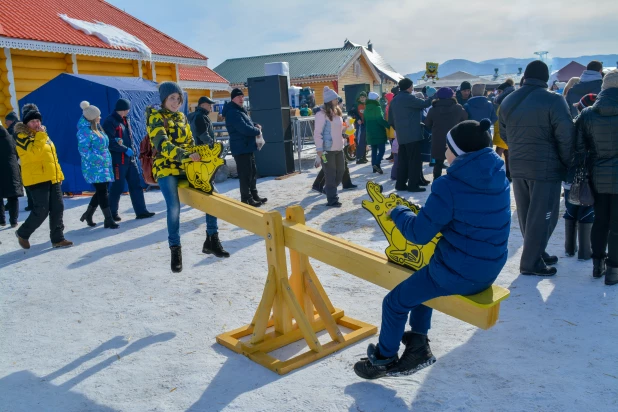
<point x="37" y="44"/>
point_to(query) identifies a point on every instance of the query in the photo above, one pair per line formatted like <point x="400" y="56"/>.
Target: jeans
<point x="582" y="214"/>
<point x="169" y="189"/>
<point x="247" y="175"/>
<point x="101" y="197"/>
<point x="408" y="298"/>
<point x="128" y="172"/>
<point x="605" y="228"/>
<point x="46" y="201"/>
<point x="377" y="153"/>
<point x="333" y="173"/>
<point x="361" y="143"/>
<point x="13" y="208"/>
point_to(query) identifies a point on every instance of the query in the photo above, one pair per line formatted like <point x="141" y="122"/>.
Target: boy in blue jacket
<point x="471" y="207"/>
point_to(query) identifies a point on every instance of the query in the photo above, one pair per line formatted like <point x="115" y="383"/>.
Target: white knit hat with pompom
<point x="90" y="112"/>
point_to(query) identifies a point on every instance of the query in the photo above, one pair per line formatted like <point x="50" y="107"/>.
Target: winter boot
<point x="611" y="276"/>
<point x="145" y="215"/>
<point x="252" y="202"/>
<point x="585" y="248"/>
<point x="546" y="271"/>
<point x="549" y="259"/>
<point x="257" y="198"/>
<point x="62" y="244"/>
<point x="570" y="237"/>
<point x="416" y="356"/>
<point x="598" y="268"/>
<point x="116" y="218"/>
<point x="24" y="243"/>
<point x="87" y="216"/>
<point x="213" y="246"/>
<point x="176" y="259"/>
<point x="375" y="366"/>
<point x="109" y="220"/>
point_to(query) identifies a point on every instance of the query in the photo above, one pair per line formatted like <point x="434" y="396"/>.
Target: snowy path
<point x="105" y="326"/>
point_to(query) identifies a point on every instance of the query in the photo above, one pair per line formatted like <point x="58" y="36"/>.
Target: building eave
<point x="187" y="84"/>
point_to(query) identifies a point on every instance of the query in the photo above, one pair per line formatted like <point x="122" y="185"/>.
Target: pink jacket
<point x="328" y="135"/>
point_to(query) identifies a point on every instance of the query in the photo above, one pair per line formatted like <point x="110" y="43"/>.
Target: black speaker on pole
<point x="276" y="124"/>
<point x="275" y="159"/>
<point x="268" y="92"/>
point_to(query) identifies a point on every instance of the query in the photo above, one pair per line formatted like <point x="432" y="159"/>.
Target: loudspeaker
<point x="268" y="92"/>
<point x="275" y="159"/>
<point x="276" y="124"/>
<point x="352" y="91"/>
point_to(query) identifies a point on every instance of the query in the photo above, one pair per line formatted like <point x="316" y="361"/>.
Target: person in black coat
<point x="11" y="186"/>
<point x="590" y="82"/>
<point x="597" y="135"/>
<point x="201" y="126"/>
<point x="536" y="125"/>
<point x="121" y="145"/>
<point x="10" y="120"/>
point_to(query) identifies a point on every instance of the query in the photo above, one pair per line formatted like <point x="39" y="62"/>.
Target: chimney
<point x="519" y="71"/>
<point x="496" y="70"/>
<point x="370" y="46"/>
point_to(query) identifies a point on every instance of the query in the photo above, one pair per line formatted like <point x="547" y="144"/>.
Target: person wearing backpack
<point x="201" y="126"/>
<point x="121" y="145"/>
<point x="170" y="135"/>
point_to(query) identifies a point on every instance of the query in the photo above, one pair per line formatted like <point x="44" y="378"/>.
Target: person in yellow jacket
<point x="42" y="175"/>
<point x="170" y="134"/>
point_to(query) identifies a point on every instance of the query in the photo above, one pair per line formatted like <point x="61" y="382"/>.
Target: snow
<point x="109" y="34"/>
<point x="105" y="325"/>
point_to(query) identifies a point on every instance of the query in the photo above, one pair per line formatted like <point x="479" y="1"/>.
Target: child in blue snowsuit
<point x="471" y="207"/>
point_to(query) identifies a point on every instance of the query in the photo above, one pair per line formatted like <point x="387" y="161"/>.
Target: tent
<point x="572" y="69"/>
<point x="59" y="99"/>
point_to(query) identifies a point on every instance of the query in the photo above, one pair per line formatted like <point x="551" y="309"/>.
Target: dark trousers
<point x="377" y="153"/>
<point x="13" y="209"/>
<point x="247" y="175"/>
<point x="408" y="298"/>
<point x="538" y="209"/>
<point x="437" y="168"/>
<point x="605" y="228"/>
<point x="46" y="201"/>
<point x="320" y="180"/>
<point x="581" y="214"/>
<point x="333" y="174"/>
<point x="101" y="197"/>
<point x="29" y="196"/>
<point x="127" y="172"/>
<point x="361" y="143"/>
<point x="410" y="166"/>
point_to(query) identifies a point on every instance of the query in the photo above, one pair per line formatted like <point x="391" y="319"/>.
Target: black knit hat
<point x="12" y="117"/>
<point x="30" y="112"/>
<point x="504" y="86"/>
<point x="469" y="136"/>
<point x="465" y="86"/>
<point x="405" y="84"/>
<point x="395" y="90"/>
<point x="236" y="93"/>
<point x="122" y="105"/>
<point x="537" y="70"/>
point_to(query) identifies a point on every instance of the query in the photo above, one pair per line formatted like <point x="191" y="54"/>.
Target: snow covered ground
<point x="105" y="325"/>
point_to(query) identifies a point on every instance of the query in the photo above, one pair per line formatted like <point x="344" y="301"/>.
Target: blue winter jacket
<point x="240" y="128"/>
<point x="471" y="206"/>
<point x="480" y="108"/>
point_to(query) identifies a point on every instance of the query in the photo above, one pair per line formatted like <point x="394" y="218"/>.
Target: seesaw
<point x="295" y="306"/>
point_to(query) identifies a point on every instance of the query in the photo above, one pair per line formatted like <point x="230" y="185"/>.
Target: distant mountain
<point x="510" y="65"/>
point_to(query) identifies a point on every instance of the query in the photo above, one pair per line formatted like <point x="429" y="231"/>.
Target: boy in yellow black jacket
<point x="42" y="175"/>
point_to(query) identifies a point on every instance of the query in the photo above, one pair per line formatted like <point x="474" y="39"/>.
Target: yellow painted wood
<point x="33" y="74"/>
<point x="126" y="68"/>
<point x="325" y="315"/>
<point x="301" y="319"/>
<point x="262" y="315"/>
<point x="25" y="62"/>
<point x="29" y="53"/>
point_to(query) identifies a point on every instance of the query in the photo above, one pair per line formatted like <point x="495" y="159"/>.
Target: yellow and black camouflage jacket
<point x="171" y="143"/>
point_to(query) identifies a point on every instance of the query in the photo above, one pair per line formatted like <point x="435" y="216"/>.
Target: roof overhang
<point x="359" y="53"/>
<point x="33" y="45"/>
<point x="186" y="84"/>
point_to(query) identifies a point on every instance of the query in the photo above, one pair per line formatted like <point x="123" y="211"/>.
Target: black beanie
<point x="395" y="90"/>
<point x="469" y="136"/>
<point x="405" y="84"/>
<point x="30" y="112"/>
<point x="236" y="93"/>
<point x="465" y="86"/>
<point x="122" y="105"/>
<point x="537" y="70"/>
<point x="12" y="116"/>
<point x="504" y="86"/>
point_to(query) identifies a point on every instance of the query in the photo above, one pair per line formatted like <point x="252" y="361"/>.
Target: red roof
<point x="199" y="74"/>
<point x="38" y="20"/>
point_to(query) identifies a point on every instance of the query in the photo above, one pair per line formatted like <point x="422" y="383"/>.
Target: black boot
<point x="585" y="248"/>
<point x="416" y="356"/>
<point x="87" y="216"/>
<point x="116" y="218"/>
<point x="598" y="268"/>
<point x="375" y="366"/>
<point x="611" y="276"/>
<point x="252" y="202"/>
<point x="546" y="271"/>
<point x="213" y="246"/>
<point x="109" y="220"/>
<point x="257" y="198"/>
<point x="570" y="237"/>
<point x="145" y="215"/>
<point x="549" y="259"/>
<point x="176" y="258"/>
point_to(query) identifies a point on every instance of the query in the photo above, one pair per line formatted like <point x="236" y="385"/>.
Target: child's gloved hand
<point x="129" y="153"/>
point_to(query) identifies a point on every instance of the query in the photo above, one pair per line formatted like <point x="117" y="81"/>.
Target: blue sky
<point x="406" y="33"/>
